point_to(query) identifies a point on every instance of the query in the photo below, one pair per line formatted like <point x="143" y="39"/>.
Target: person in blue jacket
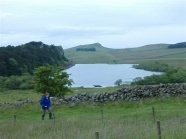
<point x="45" y="105"/>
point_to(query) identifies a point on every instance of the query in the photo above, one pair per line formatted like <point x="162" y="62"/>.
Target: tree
<point x="53" y="80"/>
<point x="25" y="58"/>
<point x="118" y="82"/>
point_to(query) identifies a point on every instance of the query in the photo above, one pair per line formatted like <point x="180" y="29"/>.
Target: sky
<point x="113" y="23"/>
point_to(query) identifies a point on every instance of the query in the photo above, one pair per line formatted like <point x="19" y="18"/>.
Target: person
<point x="45" y="105"/>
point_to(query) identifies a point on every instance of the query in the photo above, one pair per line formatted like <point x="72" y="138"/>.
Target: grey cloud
<point x="113" y="23"/>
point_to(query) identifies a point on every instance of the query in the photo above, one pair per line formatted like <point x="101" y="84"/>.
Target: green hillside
<point x="100" y="55"/>
<point x="148" y="53"/>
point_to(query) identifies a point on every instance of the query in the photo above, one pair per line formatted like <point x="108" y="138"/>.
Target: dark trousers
<point x="44" y="111"/>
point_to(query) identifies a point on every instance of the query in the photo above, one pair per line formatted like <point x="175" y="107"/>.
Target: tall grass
<point x="131" y="120"/>
<point x="84" y="128"/>
<point x="119" y="120"/>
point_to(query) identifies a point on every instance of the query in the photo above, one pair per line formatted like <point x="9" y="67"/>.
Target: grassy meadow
<point x="115" y="120"/>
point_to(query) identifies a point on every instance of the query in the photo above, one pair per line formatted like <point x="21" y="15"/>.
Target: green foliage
<point x="53" y="80"/>
<point x="24" y="58"/>
<point x="16" y="82"/>
<point x="86" y="49"/>
<point x="118" y="82"/>
<point x="178" y="45"/>
<point x="13" y="62"/>
<point x="170" y="75"/>
<point x="153" y="66"/>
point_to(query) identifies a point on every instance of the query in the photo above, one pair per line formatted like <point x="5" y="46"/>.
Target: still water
<point x="88" y="75"/>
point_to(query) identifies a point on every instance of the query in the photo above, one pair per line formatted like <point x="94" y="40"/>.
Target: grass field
<point x="116" y="120"/>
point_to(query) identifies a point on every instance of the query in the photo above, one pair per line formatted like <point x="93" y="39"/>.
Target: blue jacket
<point x="45" y="102"/>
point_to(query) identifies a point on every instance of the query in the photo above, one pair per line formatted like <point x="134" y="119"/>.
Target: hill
<point x="99" y="55"/>
<point x="147" y="53"/>
<point x="16" y="60"/>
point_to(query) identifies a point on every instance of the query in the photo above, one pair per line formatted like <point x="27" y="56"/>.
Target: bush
<point x="16" y="82"/>
<point x="171" y="75"/>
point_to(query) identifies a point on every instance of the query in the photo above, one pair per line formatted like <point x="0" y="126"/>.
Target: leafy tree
<point x="137" y="79"/>
<point x="53" y="80"/>
<point x="118" y="82"/>
<point x="25" y="58"/>
<point x="13" y="62"/>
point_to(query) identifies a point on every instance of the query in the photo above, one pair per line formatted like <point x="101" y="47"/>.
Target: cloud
<point x="114" y="23"/>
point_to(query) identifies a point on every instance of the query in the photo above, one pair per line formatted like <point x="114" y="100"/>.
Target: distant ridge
<point x="96" y="46"/>
<point x="90" y="45"/>
<point x="89" y="53"/>
<point x="147" y="53"/>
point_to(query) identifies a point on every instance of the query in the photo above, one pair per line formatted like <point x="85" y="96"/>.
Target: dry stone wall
<point x="134" y="93"/>
<point x="131" y="93"/>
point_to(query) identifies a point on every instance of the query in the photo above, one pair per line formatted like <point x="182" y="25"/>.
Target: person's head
<point x="47" y="94"/>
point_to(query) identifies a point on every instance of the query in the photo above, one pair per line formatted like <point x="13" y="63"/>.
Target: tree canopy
<point x="51" y="79"/>
<point x="169" y="74"/>
<point x="16" y="60"/>
<point x="178" y="45"/>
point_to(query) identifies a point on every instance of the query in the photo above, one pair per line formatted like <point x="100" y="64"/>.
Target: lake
<point x="88" y="75"/>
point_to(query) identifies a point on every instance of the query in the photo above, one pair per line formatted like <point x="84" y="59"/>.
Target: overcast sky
<point x="113" y="23"/>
